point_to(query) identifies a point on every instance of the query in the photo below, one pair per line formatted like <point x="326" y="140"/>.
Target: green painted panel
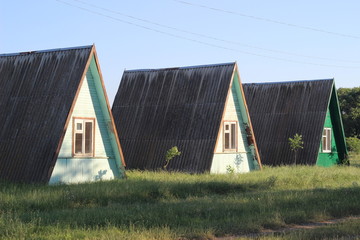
<point x="101" y="117"/>
<point x="336" y="119"/>
<point x="243" y="117"/>
<point x="338" y="143"/>
<point x="106" y="115"/>
<point x="239" y="101"/>
<point x="332" y="158"/>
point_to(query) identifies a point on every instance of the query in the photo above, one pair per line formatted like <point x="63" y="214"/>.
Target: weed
<point x="230" y="169"/>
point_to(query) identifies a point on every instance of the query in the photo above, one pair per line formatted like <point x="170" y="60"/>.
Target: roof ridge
<point x="45" y="51"/>
<point x="181" y="68"/>
<point x="289" y="82"/>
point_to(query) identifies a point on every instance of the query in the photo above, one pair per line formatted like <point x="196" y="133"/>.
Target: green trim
<point x="243" y="116"/>
<point x="327" y="159"/>
<point x="235" y="88"/>
<point x="338" y="144"/>
<point x="335" y="110"/>
<point x="104" y="108"/>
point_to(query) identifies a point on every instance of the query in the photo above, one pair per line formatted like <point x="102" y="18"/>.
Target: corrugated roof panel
<point x="280" y="110"/>
<point x="155" y="110"/>
<point x="36" y="94"/>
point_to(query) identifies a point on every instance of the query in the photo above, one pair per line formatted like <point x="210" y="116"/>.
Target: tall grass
<point x="355" y="159"/>
<point x="160" y="205"/>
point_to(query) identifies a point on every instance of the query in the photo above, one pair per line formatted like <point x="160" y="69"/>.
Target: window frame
<point x="327" y="135"/>
<point x="83" y="120"/>
<point x="229" y="123"/>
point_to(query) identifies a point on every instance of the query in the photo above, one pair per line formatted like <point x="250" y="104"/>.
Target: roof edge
<point x="295" y="81"/>
<point x="334" y="94"/>
<point x="96" y="59"/>
<point x="47" y="50"/>
<point x="180" y="68"/>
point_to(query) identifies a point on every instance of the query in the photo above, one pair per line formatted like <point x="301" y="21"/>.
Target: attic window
<point x="230" y="136"/>
<point x="83" y="137"/>
<point x="326" y="140"/>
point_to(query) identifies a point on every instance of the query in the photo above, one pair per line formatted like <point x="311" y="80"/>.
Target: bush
<point x="353" y="144"/>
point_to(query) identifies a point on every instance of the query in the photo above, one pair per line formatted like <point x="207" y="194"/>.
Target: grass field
<point x="159" y="205"/>
<point x="355" y="160"/>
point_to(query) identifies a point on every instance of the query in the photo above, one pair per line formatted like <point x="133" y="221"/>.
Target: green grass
<point x="355" y="160"/>
<point x="159" y="205"/>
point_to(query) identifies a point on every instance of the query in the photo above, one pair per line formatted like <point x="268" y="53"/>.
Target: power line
<point x="212" y="38"/>
<point x="197" y="41"/>
<point x="268" y="20"/>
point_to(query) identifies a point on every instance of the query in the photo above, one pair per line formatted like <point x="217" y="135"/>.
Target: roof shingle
<point x="155" y="110"/>
<point x="36" y="95"/>
<point x="280" y="110"/>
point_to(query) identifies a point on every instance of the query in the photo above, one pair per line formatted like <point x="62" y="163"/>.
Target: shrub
<point x="353" y="144"/>
<point x="170" y="154"/>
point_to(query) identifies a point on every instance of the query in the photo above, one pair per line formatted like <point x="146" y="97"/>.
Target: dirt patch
<point x="289" y="228"/>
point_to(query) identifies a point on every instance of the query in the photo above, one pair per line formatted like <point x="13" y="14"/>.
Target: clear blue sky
<point x="270" y="40"/>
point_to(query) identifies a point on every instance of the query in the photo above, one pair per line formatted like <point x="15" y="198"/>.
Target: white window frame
<point x="228" y="131"/>
<point x="326" y="137"/>
<point x="83" y="121"/>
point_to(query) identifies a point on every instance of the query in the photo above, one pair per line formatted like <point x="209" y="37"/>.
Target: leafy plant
<point x="230" y="169"/>
<point x="349" y="99"/>
<point x="353" y="144"/>
<point x="296" y="143"/>
<point x="170" y="154"/>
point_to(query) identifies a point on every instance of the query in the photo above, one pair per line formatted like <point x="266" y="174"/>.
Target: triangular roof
<point x="37" y="94"/>
<point x="157" y="109"/>
<point x="280" y="110"/>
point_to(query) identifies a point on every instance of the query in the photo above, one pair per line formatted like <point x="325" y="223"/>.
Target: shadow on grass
<point x="234" y="213"/>
<point x="22" y="197"/>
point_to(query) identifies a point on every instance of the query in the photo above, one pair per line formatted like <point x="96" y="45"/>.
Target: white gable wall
<point x="242" y="160"/>
<point x="71" y="169"/>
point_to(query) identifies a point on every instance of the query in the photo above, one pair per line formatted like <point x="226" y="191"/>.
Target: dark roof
<point x="280" y="110"/>
<point x="155" y="110"/>
<point x="36" y="95"/>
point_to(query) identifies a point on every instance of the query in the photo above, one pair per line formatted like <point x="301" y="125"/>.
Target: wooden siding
<point x="242" y="159"/>
<point x="107" y="114"/>
<point x="86" y="106"/>
<point x="231" y="114"/>
<point x="75" y="169"/>
<point x="240" y="162"/>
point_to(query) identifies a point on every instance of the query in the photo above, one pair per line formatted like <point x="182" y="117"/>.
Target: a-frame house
<point x="309" y="108"/>
<point x="56" y="123"/>
<point x="199" y="109"/>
